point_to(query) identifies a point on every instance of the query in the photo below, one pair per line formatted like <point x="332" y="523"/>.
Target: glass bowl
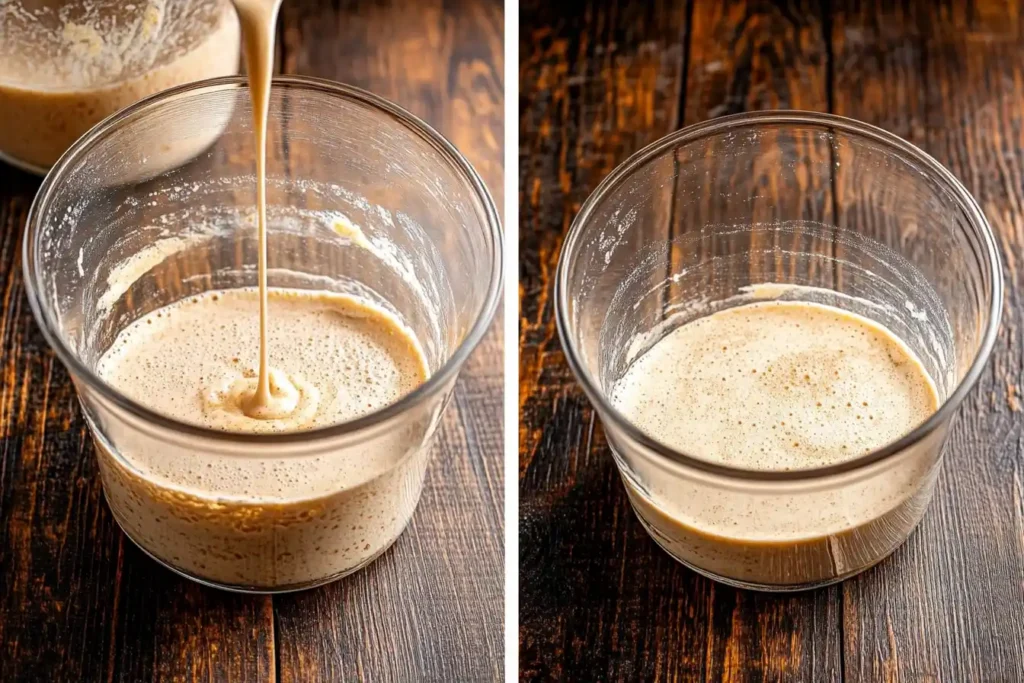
<point x="779" y="206"/>
<point x="157" y="204"/>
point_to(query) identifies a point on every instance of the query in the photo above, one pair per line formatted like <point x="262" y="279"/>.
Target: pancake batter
<point x="302" y="519"/>
<point x="263" y="361"/>
<point x="265" y="399"/>
<point x="61" y="75"/>
<point x="777" y="386"/>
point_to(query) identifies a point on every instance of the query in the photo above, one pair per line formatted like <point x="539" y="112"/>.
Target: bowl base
<point x="766" y="587"/>
<point x="258" y="590"/>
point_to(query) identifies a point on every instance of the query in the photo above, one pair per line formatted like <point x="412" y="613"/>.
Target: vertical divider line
<point x="830" y="74"/>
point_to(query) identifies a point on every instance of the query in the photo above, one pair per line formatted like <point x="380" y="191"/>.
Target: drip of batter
<point x="274" y="395"/>
<point x="324" y="507"/>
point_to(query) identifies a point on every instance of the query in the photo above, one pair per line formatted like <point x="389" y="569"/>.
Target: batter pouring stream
<point x="275" y="395"/>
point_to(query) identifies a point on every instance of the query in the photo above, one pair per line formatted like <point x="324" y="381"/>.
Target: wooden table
<point x="78" y="602"/>
<point x="599" y="601"/>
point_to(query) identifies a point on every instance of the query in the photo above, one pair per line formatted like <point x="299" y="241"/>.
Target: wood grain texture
<point x="597" y="82"/>
<point x="750" y="56"/>
<point x="598" y="600"/>
<point x="949" y="606"/>
<point x="59" y="548"/>
<point x="80" y="602"/>
<point x="430" y="609"/>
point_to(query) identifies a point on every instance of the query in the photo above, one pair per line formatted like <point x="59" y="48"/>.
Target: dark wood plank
<point x="431" y="608"/>
<point x="171" y="629"/>
<point x="58" y="544"/>
<point x="949" y="605"/>
<point x="598" y="599"/>
<point x="749" y="56"/>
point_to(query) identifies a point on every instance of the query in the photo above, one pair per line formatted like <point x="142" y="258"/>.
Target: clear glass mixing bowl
<point x="702" y="220"/>
<point x="157" y="204"/>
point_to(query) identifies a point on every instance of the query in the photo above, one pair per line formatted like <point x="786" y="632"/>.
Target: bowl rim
<point x="434" y="384"/>
<point x="776" y="118"/>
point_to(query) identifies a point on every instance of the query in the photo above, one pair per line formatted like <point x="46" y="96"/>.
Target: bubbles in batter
<point x="333" y="359"/>
<point x="265" y="522"/>
<point x="776" y="386"/>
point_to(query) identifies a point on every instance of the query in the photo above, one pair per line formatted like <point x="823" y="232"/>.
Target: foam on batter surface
<point x="776" y="386"/>
<point x="194" y="360"/>
<point x="265" y="522"/>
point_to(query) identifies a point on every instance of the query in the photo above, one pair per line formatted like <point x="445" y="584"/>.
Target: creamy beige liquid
<point x="778" y="386"/>
<point x="259" y="361"/>
<point x="59" y="77"/>
<point x="300" y="520"/>
<point x="259" y="19"/>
